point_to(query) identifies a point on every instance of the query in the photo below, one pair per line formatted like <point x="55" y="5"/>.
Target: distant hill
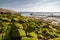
<point x="7" y="10"/>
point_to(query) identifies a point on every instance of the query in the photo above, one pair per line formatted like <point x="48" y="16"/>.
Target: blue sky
<point x="31" y="5"/>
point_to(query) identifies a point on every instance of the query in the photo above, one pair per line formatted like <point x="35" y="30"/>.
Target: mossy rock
<point x="22" y="33"/>
<point x="19" y="26"/>
<point x="1" y="37"/>
<point x="55" y="38"/>
<point x="15" y="19"/>
<point x="32" y="34"/>
<point x="28" y="38"/>
<point x="15" y="33"/>
<point x="6" y="35"/>
<point x="30" y="29"/>
<point x="50" y="26"/>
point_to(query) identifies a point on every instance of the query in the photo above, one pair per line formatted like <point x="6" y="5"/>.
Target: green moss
<point x="16" y="27"/>
<point x="55" y="38"/>
<point x="28" y="38"/>
<point x="50" y="26"/>
<point x="6" y="34"/>
<point x="22" y="33"/>
<point x="15" y="33"/>
<point x="32" y="34"/>
<point x="1" y="37"/>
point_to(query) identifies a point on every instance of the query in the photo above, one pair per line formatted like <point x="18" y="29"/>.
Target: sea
<point x="43" y="14"/>
<point x="40" y="13"/>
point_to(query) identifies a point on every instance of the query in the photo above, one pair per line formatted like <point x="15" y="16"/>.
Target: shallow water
<point x="40" y="13"/>
<point x="43" y="15"/>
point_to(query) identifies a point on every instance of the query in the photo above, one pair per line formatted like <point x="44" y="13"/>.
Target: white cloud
<point x="42" y="9"/>
<point x="53" y="6"/>
<point x="55" y="3"/>
<point x="41" y="6"/>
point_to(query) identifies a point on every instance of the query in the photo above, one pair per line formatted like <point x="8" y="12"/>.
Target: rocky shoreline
<point x="52" y="20"/>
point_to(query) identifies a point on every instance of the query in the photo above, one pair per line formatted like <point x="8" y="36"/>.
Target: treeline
<point x="17" y="27"/>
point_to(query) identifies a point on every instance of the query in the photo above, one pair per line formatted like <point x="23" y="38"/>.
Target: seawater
<point x="40" y="13"/>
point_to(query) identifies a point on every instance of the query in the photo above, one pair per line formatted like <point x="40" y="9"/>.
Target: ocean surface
<point x="43" y="14"/>
<point x="40" y="13"/>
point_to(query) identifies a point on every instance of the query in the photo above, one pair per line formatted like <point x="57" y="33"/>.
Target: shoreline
<point x="54" y="20"/>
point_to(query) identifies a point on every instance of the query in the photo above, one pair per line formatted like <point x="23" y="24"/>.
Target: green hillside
<point x="17" y="27"/>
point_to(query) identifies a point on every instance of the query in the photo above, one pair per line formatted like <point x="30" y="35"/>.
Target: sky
<point x="31" y="5"/>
